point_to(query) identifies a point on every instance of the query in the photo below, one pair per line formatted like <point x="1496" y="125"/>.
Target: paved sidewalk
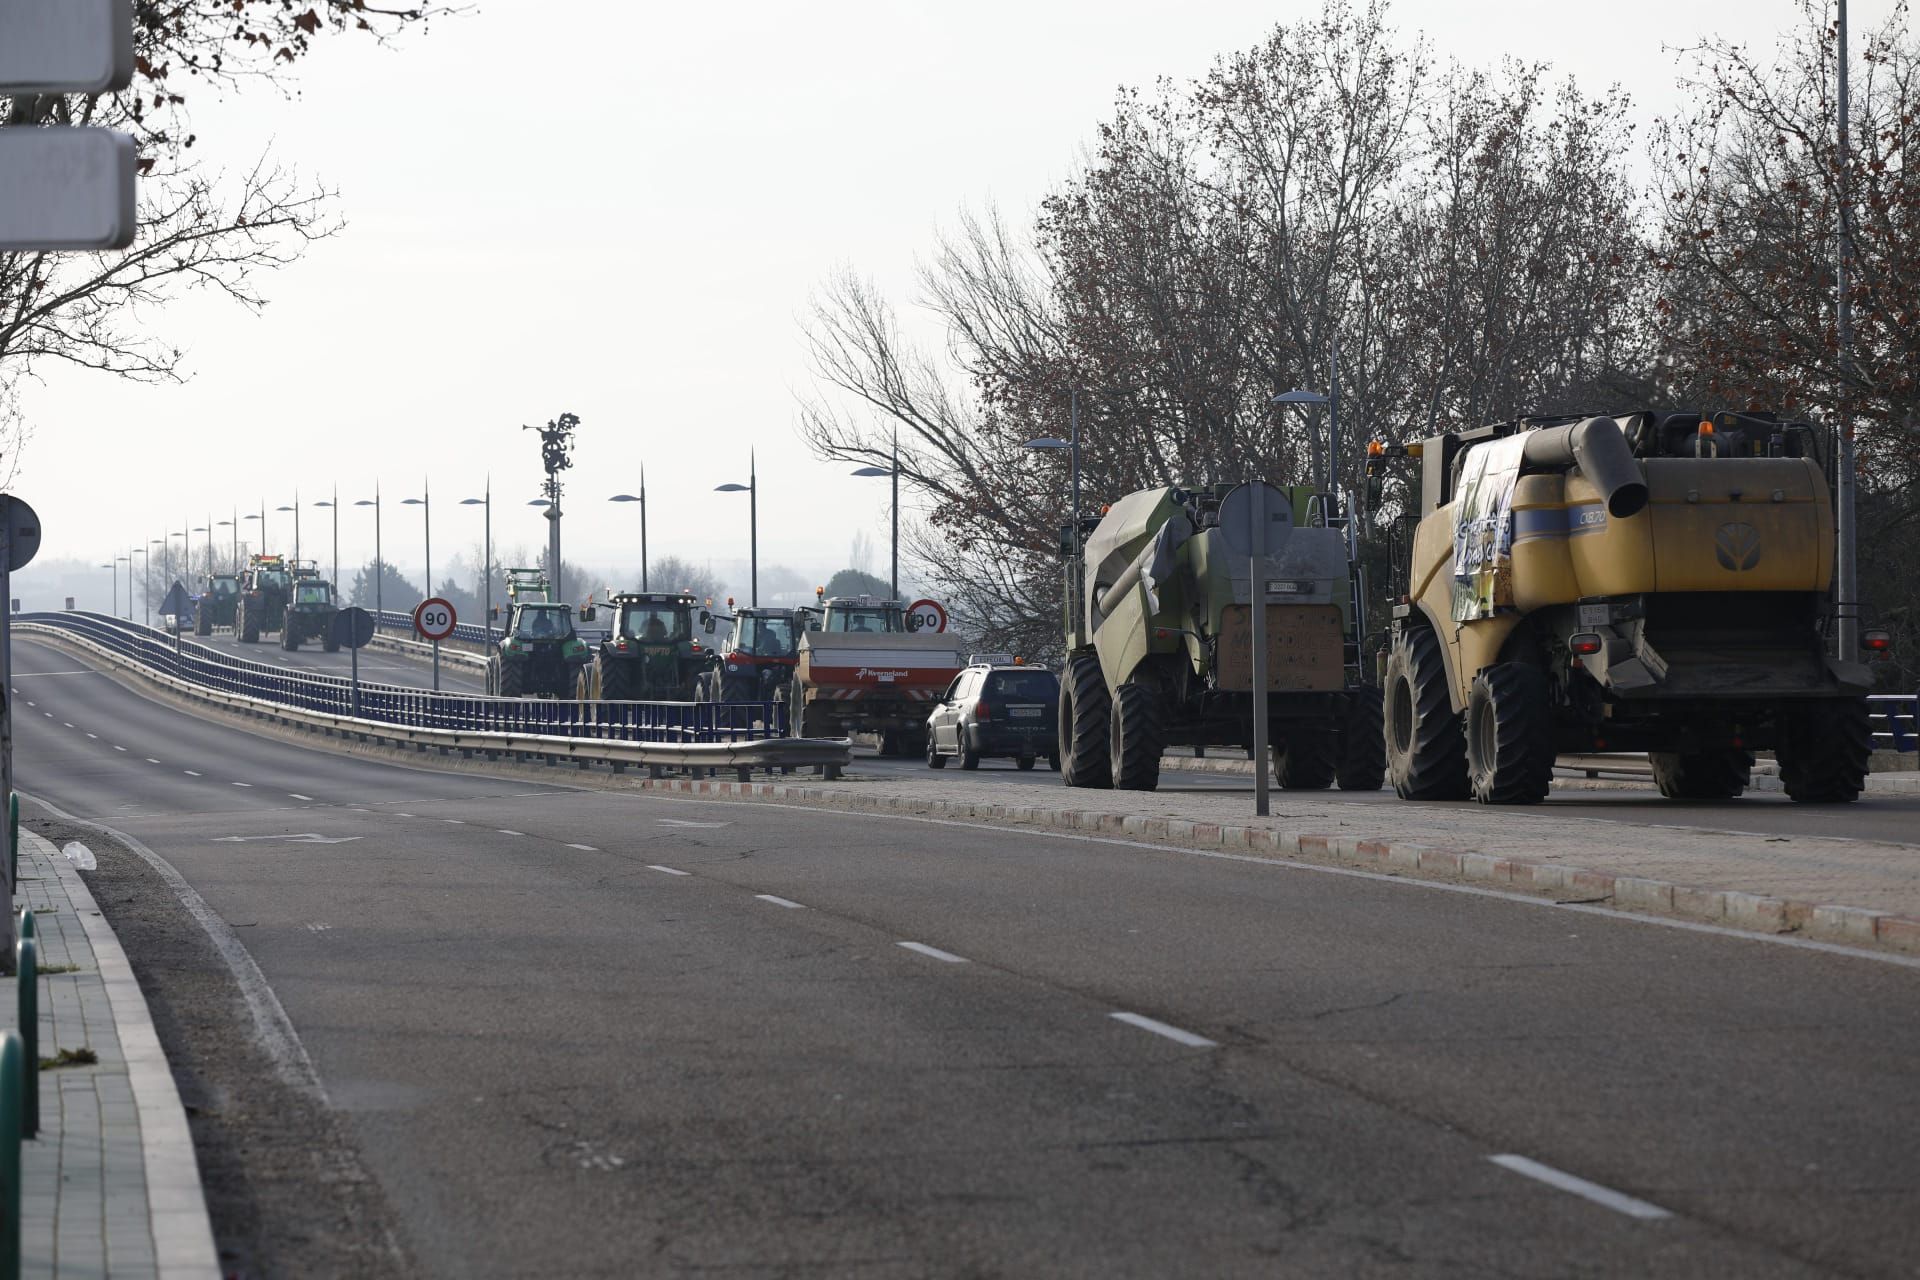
<point x="110" y="1187"/>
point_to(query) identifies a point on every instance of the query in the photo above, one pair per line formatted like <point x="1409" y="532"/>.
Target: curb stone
<point x="1729" y="908"/>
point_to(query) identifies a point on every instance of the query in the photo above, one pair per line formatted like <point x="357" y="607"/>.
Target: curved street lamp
<point x="379" y="564"/>
<point x="752" y="489"/>
<point x="425" y="503"/>
<point x="486" y="553"/>
<point x="894" y="472"/>
<point x="642" y="500"/>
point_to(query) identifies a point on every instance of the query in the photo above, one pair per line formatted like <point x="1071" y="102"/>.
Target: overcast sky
<point x="620" y="209"/>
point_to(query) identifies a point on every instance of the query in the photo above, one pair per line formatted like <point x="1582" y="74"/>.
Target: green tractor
<point x="1160" y="640"/>
<point x="266" y="588"/>
<point x="650" y="653"/>
<point x="309" y="615"/>
<point x="216" y="607"/>
<point x="540" y="655"/>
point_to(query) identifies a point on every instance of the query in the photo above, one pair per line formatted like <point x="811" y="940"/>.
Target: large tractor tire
<point x="289" y="634"/>
<point x="614" y="680"/>
<point x="734" y="690"/>
<point x="327" y="642"/>
<point x="1084" y="713"/>
<point x="246" y="625"/>
<point x="1702" y="775"/>
<point x="1308" y="759"/>
<point x="1135" y="737"/>
<point x="1510" y="734"/>
<point x="1363" y="742"/>
<point x="512" y="680"/>
<point x="1824" y="749"/>
<point x="493" y="677"/>
<point x="1426" y="752"/>
<point x="202" y="623"/>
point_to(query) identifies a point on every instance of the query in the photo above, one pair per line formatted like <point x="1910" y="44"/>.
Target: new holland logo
<point x="1737" y="546"/>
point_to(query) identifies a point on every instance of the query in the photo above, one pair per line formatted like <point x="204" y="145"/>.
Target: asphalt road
<point x="380" y="665"/>
<point x="607" y="1033"/>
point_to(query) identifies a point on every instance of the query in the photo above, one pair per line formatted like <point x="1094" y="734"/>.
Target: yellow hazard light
<point x="1375" y="448"/>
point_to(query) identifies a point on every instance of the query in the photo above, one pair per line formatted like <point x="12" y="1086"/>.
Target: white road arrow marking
<point x="305" y="837"/>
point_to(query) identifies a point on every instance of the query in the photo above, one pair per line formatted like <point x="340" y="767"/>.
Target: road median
<point x="1858" y="893"/>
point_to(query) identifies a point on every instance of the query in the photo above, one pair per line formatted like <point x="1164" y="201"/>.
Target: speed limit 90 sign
<point x="926" y="615"/>
<point x="433" y="619"/>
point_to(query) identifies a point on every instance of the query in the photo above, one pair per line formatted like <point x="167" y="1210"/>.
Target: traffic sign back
<point x="352" y="627"/>
<point x="22" y="531"/>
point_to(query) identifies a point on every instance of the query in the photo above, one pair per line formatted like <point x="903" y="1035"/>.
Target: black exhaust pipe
<point x="1599" y="448"/>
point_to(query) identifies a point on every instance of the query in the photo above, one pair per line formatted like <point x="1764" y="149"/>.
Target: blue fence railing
<point x="666" y="722"/>
<point x="468" y="632"/>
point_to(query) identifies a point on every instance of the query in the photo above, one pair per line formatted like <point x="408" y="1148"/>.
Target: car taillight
<point x="1585" y="643"/>
<point x="1877" y="642"/>
<point x="981" y="711"/>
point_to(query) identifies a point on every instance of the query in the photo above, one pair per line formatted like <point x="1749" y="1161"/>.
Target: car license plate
<point x="1593" y="615"/>
<point x="1027" y="712"/>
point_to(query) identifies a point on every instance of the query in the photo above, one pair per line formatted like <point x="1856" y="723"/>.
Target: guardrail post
<point x="12" y="1059"/>
<point x="26" y="964"/>
<point x="13" y="839"/>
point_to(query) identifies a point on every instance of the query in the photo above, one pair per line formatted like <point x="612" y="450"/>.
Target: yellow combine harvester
<point x="1654" y="582"/>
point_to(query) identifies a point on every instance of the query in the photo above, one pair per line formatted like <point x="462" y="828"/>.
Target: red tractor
<point x="756" y="659"/>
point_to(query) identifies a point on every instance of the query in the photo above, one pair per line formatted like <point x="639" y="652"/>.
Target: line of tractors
<point x="1655" y="582"/>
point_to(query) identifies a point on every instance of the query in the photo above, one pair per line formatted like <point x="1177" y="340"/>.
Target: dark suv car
<point x="995" y="708"/>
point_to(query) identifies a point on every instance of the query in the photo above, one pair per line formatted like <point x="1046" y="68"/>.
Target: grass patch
<point x="70" y="1058"/>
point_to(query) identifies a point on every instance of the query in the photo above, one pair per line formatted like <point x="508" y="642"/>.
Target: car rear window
<point x="1023" y="686"/>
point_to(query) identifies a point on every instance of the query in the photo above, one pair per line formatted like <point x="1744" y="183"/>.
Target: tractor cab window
<point x="864" y="619"/>
<point x="654" y="623"/>
<point x="224" y="587"/>
<point x="766" y="637"/>
<point x="313" y="593"/>
<point x="278" y="578"/>
<point x="554" y="623"/>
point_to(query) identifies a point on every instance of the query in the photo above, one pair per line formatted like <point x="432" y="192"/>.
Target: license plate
<point x="1024" y="713"/>
<point x="1593" y="615"/>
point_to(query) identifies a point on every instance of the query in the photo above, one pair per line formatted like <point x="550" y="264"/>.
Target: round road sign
<point x="22" y="531"/>
<point x="433" y="619"/>
<point x="926" y="615"/>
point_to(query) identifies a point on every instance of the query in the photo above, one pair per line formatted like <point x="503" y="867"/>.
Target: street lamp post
<point x="752" y="489"/>
<point x="295" y="508"/>
<point x="1075" y="595"/>
<point x="425" y="503"/>
<point x="113" y="568"/>
<point x="642" y="500"/>
<point x="379" y="564"/>
<point x="127" y="560"/>
<point x="894" y="472"/>
<point x="333" y="505"/>
<point x="262" y="518"/>
<point x="486" y="554"/>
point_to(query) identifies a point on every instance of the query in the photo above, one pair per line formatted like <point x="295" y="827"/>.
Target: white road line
<point x="47" y="714"/>
<point x="191" y="773"/>
<point x="295" y="795"/>
<point x="243" y="784"/>
<point x="403" y="815"/>
<point x="151" y="760"/>
<point x="31" y="704"/>
<point x="934" y="952"/>
<point x="65" y="723"/>
<point x="503" y="831"/>
<point x="672" y="871"/>
<point x="458" y="822"/>
<point x="584" y="848"/>
<point x="788" y="903"/>
<point x="1160" y="1028"/>
<point x="1607" y="1197"/>
<point x="94" y="736"/>
<point x="119" y="748"/>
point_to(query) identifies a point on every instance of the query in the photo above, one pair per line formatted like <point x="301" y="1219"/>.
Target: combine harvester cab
<point x="540" y="655"/>
<point x="1654" y="582"/>
<point x="861" y="670"/>
<point x="1159" y="639"/>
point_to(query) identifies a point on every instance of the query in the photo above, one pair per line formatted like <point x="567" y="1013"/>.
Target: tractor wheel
<point x="1363" y="742"/>
<point x="246" y="626"/>
<point x="1702" y="775"/>
<point x="1509" y="734"/>
<point x="890" y="744"/>
<point x="734" y="690"/>
<point x="513" y="680"/>
<point x="1024" y="764"/>
<point x="493" y="677"/>
<point x="327" y="641"/>
<point x="934" y="759"/>
<point x="1084" y="703"/>
<point x="703" y="690"/>
<point x="614" y="680"/>
<point x="203" y="623"/>
<point x="289" y="638"/>
<point x="1310" y="760"/>
<point x="1133" y="737"/>
<point x="1426" y="752"/>
<point x="1824" y="749"/>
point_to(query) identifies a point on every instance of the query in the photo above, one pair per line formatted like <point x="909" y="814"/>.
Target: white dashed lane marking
<point x="1166" y="1029"/>
<point x="503" y="831"/>
<point x="1606" y="1197"/>
<point x="118" y="747"/>
<point x="584" y="848"/>
<point x="789" y="903"/>
<point x="151" y="760"/>
<point x="191" y="773"/>
<point x="295" y="795"/>
<point x="672" y="871"/>
<point x="243" y="784"/>
<point x="934" y="953"/>
<point x="67" y="724"/>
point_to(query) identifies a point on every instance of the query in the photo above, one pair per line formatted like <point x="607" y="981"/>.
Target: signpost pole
<point x="355" y="701"/>
<point x="436" y="666"/>
<point x="1257" y="604"/>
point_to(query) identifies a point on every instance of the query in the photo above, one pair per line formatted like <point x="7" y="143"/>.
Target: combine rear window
<point x="766" y="637"/>
<point x="654" y="623"/>
<point x="1024" y="686"/>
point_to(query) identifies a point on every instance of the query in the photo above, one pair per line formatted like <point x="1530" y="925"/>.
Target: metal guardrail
<point x="660" y="735"/>
<point x="473" y="633"/>
<point x="1896" y="721"/>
